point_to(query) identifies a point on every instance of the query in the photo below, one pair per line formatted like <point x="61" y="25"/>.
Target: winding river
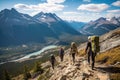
<point x="34" y="53"/>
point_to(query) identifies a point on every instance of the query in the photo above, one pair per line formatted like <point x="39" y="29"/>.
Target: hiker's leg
<point x="73" y="57"/>
<point x="93" y="60"/>
<point x="89" y="58"/>
<point x="52" y="65"/>
<point x="61" y="57"/>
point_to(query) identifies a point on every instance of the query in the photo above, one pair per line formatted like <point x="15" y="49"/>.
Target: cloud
<point x="73" y="13"/>
<point x="22" y="6"/>
<point x="93" y="7"/>
<point x="45" y="7"/>
<point x="49" y="6"/>
<point x="86" y="0"/>
<point x="80" y="16"/>
<point x="114" y="11"/>
<point x="117" y="3"/>
<point x="55" y="1"/>
<point x="110" y="15"/>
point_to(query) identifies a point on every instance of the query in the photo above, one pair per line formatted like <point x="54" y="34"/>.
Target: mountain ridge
<point x="18" y="28"/>
<point x="100" y="26"/>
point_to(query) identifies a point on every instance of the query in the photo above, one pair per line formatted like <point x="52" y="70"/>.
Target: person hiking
<point x="61" y="54"/>
<point x="52" y="60"/>
<point x="73" y="51"/>
<point x="92" y="48"/>
<point x="88" y="50"/>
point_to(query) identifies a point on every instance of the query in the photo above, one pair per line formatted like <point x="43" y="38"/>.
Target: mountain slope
<point x="18" y="28"/>
<point x="107" y="41"/>
<point x="81" y="70"/>
<point x="76" y="25"/>
<point x="100" y="26"/>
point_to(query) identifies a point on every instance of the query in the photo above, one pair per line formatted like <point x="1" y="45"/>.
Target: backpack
<point x="95" y="44"/>
<point x="73" y="49"/>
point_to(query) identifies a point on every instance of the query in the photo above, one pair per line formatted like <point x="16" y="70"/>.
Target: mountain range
<point x="100" y="26"/>
<point x="18" y="28"/>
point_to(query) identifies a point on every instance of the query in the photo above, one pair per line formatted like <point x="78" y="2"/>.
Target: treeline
<point x="37" y="70"/>
<point x="14" y="69"/>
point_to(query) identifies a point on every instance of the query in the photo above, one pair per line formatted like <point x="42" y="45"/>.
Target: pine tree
<point x="26" y="74"/>
<point x="37" y="67"/>
<point x="6" y="75"/>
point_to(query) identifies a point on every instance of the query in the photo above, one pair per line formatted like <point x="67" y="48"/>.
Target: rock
<point x="62" y="77"/>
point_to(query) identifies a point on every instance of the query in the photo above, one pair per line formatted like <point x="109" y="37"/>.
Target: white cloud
<point x="55" y="1"/>
<point x="114" y="11"/>
<point x="86" y="0"/>
<point x="80" y="16"/>
<point x="110" y="15"/>
<point x="93" y="7"/>
<point x="50" y="6"/>
<point x="117" y="3"/>
<point x="22" y="6"/>
<point x="45" y="7"/>
<point x="72" y="13"/>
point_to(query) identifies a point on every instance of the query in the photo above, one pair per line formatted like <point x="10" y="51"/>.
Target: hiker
<point x="73" y="51"/>
<point x="61" y="54"/>
<point x="88" y="50"/>
<point x="92" y="48"/>
<point x="52" y="60"/>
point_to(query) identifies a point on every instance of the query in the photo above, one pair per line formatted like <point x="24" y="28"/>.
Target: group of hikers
<point x="92" y="47"/>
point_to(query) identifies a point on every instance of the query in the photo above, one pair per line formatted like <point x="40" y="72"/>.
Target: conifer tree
<point x="26" y="74"/>
<point x="37" y="67"/>
<point x="6" y="75"/>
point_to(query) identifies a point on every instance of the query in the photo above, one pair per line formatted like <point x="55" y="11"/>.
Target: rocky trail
<point x="78" y="71"/>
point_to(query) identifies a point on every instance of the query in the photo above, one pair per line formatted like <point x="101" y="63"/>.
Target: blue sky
<point x="76" y="10"/>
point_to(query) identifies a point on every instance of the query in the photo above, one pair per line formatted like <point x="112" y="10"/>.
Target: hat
<point x="51" y="55"/>
<point x="89" y="37"/>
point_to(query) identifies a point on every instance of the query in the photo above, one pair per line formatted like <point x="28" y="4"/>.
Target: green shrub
<point x="26" y="74"/>
<point x="6" y="75"/>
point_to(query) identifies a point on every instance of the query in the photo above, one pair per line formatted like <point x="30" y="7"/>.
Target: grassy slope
<point x="111" y="57"/>
<point x="107" y="58"/>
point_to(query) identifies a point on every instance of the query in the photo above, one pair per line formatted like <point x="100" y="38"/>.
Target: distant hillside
<point x="18" y="28"/>
<point x="76" y="25"/>
<point x="107" y="41"/>
<point x="100" y="26"/>
<point x="109" y="55"/>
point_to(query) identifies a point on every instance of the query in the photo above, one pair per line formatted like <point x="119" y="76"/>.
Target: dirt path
<point x="79" y="71"/>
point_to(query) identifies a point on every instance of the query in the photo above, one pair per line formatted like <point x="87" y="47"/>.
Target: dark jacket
<point x="52" y="59"/>
<point x="61" y="52"/>
<point x="88" y="47"/>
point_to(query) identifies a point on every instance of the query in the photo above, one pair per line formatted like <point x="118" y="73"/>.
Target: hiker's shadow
<point x="111" y="69"/>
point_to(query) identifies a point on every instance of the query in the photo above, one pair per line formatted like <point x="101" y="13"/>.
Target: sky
<point x="72" y="10"/>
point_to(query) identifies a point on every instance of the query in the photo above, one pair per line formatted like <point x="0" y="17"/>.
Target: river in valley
<point x="33" y="54"/>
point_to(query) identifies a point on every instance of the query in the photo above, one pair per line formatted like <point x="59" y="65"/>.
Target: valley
<point x="25" y="40"/>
